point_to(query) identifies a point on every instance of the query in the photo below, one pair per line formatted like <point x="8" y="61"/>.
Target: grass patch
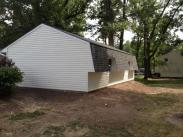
<point x="156" y="101"/>
<point x="154" y="128"/>
<point x="108" y="132"/>
<point x="140" y="128"/>
<point x="26" y="115"/>
<point x="54" y="131"/>
<point x="75" y="124"/>
<point x="169" y="83"/>
<point x="93" y="131"/>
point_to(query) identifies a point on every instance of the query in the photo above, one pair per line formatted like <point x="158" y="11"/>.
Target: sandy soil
<point x="137" y="87"/>
<point x="110" y="106"/>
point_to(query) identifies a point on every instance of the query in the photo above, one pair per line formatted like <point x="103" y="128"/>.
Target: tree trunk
<point x="147" y="67"/>
<point x="145" y="53"/>
<point x="109" y="20"/>
<point x="121" y="46"/>
<point x="138" y="45"/>
<point x="111" y="38"/>
<point x="121" y="40"/>
<point x="148" y="58"/>
<point x="104" y="40"/>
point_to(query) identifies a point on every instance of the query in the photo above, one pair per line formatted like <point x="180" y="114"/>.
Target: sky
<point x="128" y="35"/>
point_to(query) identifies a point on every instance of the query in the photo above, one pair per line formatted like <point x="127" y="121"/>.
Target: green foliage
<point x="26" y="115"/>
<point x="109" y="16"/>
<point x="181" y="53"/>
<point x="20" y="16"/>
<point x="9" y="76"/>
<point x="172" y="83"/>
<point x="159" y="82"/>
<point x="154" y="22"/>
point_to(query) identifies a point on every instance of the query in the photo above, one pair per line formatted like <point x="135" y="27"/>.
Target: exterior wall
<point x="97" y="80"/>
<point x="52" y="59"/>
<point x="173" y="67"/>
<point x="120" y="77"/>
<point x="120" y="60"/>
<point x="131" y="74"/>
<point x="116" y="76"/>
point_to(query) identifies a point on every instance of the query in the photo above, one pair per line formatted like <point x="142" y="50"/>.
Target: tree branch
<point x="171" y="18"/>
<point x="165" y="30"/>
<point x="158" y="19"/>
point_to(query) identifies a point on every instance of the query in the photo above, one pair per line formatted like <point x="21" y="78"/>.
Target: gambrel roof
<point x="94" y="42"/>
<point x="101" y="54"/>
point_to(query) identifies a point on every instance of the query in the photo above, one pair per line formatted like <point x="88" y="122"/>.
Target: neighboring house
<point x="171" y="64"/>
<point x="54" y="59"/>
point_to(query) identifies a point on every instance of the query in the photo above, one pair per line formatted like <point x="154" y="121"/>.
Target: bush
<point x="5" y="62"/>
<point x="9" y="76"/>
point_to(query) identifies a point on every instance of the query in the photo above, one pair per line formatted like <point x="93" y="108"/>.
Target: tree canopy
<point x="19" y="16"/>
<point x="155" y="23"/>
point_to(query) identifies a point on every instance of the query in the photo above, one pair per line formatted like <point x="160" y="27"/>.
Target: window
<point x="109" y="64"/>
<point x="166" y="59"/>
<point x="129" y="63"/>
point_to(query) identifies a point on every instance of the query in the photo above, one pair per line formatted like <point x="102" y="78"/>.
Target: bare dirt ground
<point x="130" y="109"/>
<point x="138" y="87"/>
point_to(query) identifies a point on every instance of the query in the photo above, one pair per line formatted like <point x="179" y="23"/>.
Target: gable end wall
<point x="51" y="59"/>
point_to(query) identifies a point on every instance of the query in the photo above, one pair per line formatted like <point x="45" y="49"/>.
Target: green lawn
<point x="169" y="83"/>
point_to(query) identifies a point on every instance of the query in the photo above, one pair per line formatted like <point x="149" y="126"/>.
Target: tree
<point x="10" y="75"/>
<point x="104" y="12"/>
<point x="107" y="12"/>
<point x="19" y="16"/>
<point x="124" y="18"/>
<point x="157" y="20"/>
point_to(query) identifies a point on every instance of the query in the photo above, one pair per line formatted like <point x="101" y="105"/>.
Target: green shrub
<point x="9" y="76"/>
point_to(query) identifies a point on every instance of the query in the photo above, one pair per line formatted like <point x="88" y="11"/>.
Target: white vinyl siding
<point x="97" y="80"/>
<point x="174" y="65"/>
<point x="117" y="77"/>
<point x="52" y="59"/>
